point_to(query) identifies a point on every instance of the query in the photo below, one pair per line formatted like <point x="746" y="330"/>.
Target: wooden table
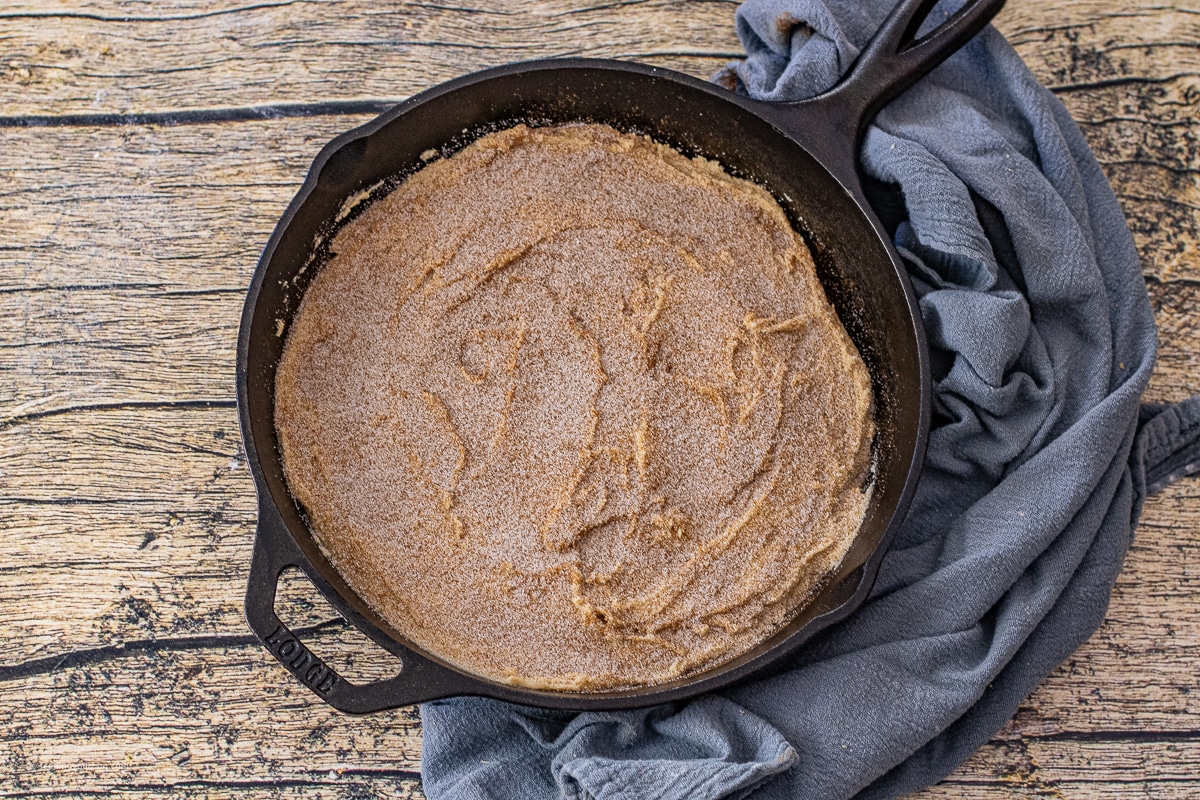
<point x="130" y="227"/>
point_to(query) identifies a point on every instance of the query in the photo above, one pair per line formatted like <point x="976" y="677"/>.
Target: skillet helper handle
<point x="892" y="61"/>
<point x="274" y="551"/>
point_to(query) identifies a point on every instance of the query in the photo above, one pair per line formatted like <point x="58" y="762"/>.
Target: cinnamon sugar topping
<point x="571" y="410"/>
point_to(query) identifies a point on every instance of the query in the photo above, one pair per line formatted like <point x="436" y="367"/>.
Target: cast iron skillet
<point x="804" y="153"/>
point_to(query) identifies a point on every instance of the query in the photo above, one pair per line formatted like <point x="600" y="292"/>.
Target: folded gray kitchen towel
<point x="1042" y="340"/>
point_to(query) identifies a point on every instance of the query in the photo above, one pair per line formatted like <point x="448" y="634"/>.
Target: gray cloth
<point x="1042" y="341"/>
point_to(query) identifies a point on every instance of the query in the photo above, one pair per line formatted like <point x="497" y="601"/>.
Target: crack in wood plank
<point x="334" y="108"/>
<point x="135" y="19"/>
<point x="29" y="416"/>
<point x="125" y="649"/>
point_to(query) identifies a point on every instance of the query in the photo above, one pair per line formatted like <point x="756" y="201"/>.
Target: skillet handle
<point x="419" y="679"/>
<point x="892" y="61"/>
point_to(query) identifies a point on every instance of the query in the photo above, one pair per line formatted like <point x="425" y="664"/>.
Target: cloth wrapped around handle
<point x="1041" y="456"/>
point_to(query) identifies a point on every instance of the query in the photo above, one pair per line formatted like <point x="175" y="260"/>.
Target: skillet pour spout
<point x="803" y="153"/>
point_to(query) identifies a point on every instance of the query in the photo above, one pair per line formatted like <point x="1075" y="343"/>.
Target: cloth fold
<point x="705" y="749"/>
<point x="1040" y="457"/>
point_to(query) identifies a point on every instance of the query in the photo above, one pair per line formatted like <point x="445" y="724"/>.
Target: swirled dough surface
<point x="572" y="411"/>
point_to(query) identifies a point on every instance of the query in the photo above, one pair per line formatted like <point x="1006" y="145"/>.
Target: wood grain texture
<point x="126" y="510"/>
<point x="132" y="58"/>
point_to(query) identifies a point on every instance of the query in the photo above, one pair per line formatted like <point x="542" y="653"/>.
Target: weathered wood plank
<point x="137" y="455"/>
<point x="69" y="347"/>
<point x="122" y="58"/>
<point x="168" y="717"/>
<point x="1177" y="314"/>
<point x="1090" y="41"/>
<point x="138" y="526"/>
<point x="152" y="572"/>
<point x="1100" y="788"/>
<point x="381" y="785"/>
<point x="101" y="61"/>
<point x="1130" y="75"/>
<point x="1112" y="766"/>
<point x="1086" y="765"/>
<point x="248" y="725"/>
<point x="184" y="208"/>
